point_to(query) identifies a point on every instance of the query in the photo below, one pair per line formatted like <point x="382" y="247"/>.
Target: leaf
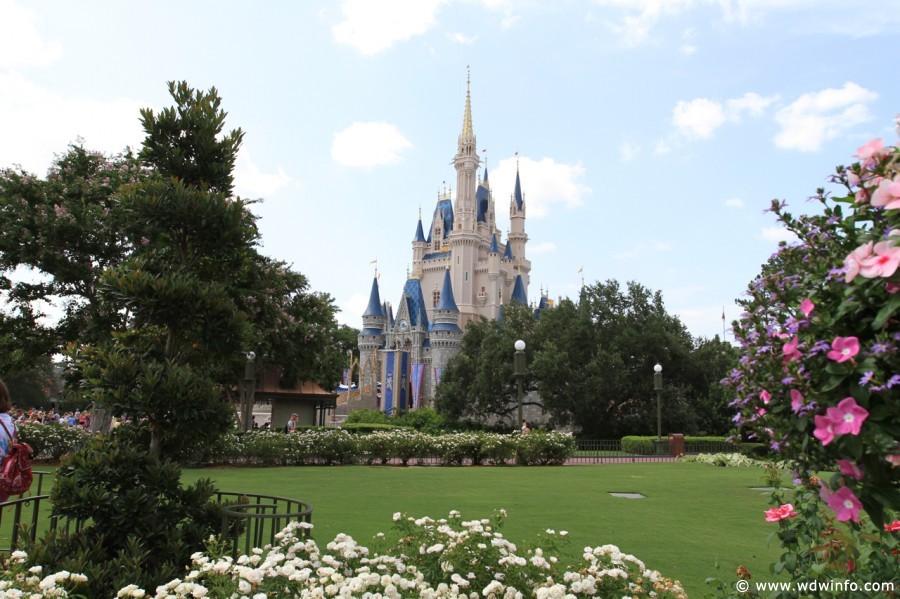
<point x="886" y="312"/>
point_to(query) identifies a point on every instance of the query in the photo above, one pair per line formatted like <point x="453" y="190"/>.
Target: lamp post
<point x="519" y="372"/>
<point x="657" y="385"/>
<point x="249" y="391"/>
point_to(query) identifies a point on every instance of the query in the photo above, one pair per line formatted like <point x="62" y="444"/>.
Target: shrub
<point x="818" y="380"/>
<point x="52" y="441"/>
<point x="141" y="525"/>
<point x="368" y="417"/>
<point x="544" y="449"/>
<point x="450" y="557"/>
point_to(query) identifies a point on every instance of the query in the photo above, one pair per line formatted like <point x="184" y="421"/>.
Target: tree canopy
<point x="591" y="363"/>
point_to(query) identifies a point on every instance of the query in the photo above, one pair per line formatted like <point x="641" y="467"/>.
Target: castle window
<point x="467" y="275"/>
<point x="435" y="298"/>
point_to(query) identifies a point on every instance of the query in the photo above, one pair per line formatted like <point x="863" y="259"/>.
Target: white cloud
<point x="698" y="118"/>
<point x="462" y="38"/>
<point x="634" y="28"/>
<point x="37" y="124"/>
<point x="365" y="145"/>
<point x="542" y="248"/>
<point x="662" y="147"/>
<point x="629" y="150"/>
<point x="250" y="182"/>
<point x="816" y="117"/>
<point x="372" y="27"/>
<point x="734" y="203"/>
<point x="777" y="234"/>
<point x="751" y="103"/>
<point x="544" y="182"/>
<point x="642" y="249"/>
<point x="688" y="49"/>
<point x="352" y="309"/>
<point x="20" y="43"/>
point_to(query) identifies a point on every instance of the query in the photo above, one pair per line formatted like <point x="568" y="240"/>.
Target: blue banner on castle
<point x="395" y="381"/>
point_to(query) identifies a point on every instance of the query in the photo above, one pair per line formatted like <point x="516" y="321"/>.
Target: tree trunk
<point x="155" y="442"/>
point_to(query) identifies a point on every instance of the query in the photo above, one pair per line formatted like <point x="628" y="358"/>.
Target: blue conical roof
<point x="447" y="302"/>
<point x="374" y="308"/>
<point x="495" y="248"/>
<point x="518" y="294"/>
<point x="518" y="192"/>
<point x="507" y="255"/>
<point x="420" y="234"/>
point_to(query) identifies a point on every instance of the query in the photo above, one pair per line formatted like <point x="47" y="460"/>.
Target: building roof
<point x="374" y="308"/>
<point x="444" y="209"/>
<point x="517" y="194"/>
<point x="415" y="303"/>
<point x="507" y="254"/>
<point x="447" y="302"/>
<point x="518" y="294"/>
<point x="494" y="249"/>
<point x="420" y="234"/>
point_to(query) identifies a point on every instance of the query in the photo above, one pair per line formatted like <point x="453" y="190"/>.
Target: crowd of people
<point x="78" y="418"/>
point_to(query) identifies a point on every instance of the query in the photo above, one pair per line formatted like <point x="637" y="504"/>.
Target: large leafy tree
<point x="478" y="383"/>
<point x="592" y="365"/>
<point x="192" y="238"/>
<point x="60" y="233"/>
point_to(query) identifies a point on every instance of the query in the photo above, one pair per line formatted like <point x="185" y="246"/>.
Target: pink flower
<point x="893" y="459"/>
<point x="790" y="350"/>
<point x="847" y="417"/>
<point x="796" y="400"/>
<point x="893" y="526"/>
<point x="806" y="306"/>
<point x="853" y="262"/>
<point x="852" y="178"/>
<point x="883" y="263"/>
<point x="780" y="513"/>
<point x="849" y="468"/>
<point x="862" y="196"/>
<point x="845" y="504"/>
<point x="824" y="429"/>
<point x="870" y="149"/>
<point x="761" y="411"/>
<point x="843" y="348"/>
<point x="887" y="194"/>
<point x="765" y="397"/>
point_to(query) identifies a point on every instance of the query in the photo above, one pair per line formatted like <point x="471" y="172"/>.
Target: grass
<point x="694" y="516"/>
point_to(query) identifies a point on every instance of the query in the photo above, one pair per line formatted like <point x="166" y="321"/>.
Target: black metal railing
<point x="592" y="451"/>
<point x="250" y="520"/>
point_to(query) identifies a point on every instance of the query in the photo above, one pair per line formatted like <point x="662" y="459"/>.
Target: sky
<point x="650" y="135"/>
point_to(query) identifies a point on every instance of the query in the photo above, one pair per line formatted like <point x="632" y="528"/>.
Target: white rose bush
<point x="449" y="557"/>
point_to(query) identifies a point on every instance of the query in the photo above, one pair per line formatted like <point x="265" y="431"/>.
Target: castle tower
<point x="370" y="340"/>
<point x="445" y="332"/>
<point x="461" y="271"/>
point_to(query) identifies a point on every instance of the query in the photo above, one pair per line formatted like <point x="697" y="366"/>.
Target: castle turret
<point x="445" y="334"/>
<point x="370" y="340"/>
<point x="419" y="246"/>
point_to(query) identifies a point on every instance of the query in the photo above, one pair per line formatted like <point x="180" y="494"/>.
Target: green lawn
<point x="694" y="516"/>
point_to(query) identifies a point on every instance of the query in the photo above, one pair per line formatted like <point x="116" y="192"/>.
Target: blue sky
<point x="651" y="134"/>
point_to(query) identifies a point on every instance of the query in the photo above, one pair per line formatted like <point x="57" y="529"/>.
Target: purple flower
<point x="879" y="348"/>
<point x="866" y="378"/>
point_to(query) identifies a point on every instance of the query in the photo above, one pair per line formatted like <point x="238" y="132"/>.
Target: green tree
<point x="595" y="361"/>
<point x="478" y="383"/>
<point x="191" y="237"/>
<point x="62" y="231"/>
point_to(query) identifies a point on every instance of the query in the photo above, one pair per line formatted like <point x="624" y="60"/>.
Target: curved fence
<point x="591" y="451"/>
<point x="248" y="520"/>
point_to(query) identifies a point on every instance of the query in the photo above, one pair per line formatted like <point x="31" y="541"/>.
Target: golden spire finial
<point x="467" y="116"/>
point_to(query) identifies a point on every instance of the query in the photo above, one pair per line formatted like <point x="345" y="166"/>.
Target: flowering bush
<point x="450" y="557"/>
<point x="819" y="379"/>
<point x="18" y="580"/>
<point x="52" y="441"/>
<point x="733" y="460"/>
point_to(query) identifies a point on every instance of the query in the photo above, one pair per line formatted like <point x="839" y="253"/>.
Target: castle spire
<point x="467" y="131"/>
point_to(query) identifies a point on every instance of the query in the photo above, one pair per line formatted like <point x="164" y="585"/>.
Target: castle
<point x="460" y="271"/>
